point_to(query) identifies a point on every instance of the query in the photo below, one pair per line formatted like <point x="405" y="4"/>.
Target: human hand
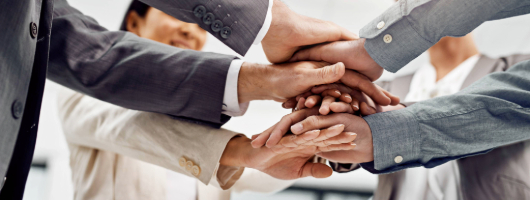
<point x="290" y="31"/>
<point x="307" y="119"/>
<point x="351" y="53"/>
<point x="340" y="98"/>
<point x="280" y="82"/>
<point x="291" y="158"/>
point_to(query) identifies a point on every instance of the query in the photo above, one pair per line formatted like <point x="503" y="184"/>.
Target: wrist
<point x="234" y="153"/>
<point x="252" y="82"/>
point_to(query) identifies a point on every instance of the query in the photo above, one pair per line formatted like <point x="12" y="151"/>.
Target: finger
<point x="283" y="126"/>
<point x="329" y="133"/>
<point x="367" y="110"/>
<point x="317" y="170"/>
<point x="325" y="75"/>
<point x="260" y="140"/>
<point x="393" y="98"/>
<point x="290" y="103"/>
<point x="305" y="95"/>
<point x="332" y="92"/>
<point x="355" y="80"/>
<point x="321" y="88"/>
<point x="322" y="121"/>
<point x="338" y="147"/>
<point x="313" y="100"/>
<point x="297" y="140"/>
<point x="345" y="98"/>
<point x="301" y="104"/>
<point x="341" y="107"/>
<point x="324" y="108"/>
<point x="255" y="136"/>
<point x="355" y="104"/>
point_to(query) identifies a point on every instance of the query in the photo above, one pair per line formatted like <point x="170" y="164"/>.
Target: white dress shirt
<point x="441" y="182"/>
<point x="231" y="107"/>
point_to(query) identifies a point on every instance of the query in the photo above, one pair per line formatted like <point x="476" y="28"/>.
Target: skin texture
<point x="161" y="27"/>
<point x="291" y="158"/>
<point x="289" y="32"/>
<point x="351" y="53"/>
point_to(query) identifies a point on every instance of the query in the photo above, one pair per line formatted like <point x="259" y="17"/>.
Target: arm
<point x="136" y="73"/>
<point x="409" y="28"/>
<point x="150" y="137"/>
<point x="493" y="112"/>
<point x="133" y="72"/>
<point x="160" y="140"/>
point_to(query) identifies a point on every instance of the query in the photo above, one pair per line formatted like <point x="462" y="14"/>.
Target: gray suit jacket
<point x="112" y="66"/>
<point x="500" y="174"/>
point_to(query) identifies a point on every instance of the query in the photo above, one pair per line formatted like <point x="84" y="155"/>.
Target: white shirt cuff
<point x="231" y="105"/>
<point x="266" y="25"/>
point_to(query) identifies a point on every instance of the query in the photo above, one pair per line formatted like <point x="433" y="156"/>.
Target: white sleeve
<point x="231" y="105"/>
<point x="266" y="25"/>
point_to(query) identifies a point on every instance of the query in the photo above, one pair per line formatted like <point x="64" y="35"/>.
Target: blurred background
<point x="50" y="173"/>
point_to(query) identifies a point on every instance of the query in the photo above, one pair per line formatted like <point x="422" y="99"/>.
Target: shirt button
<point x="398" y="159"/>
<point x="199" y="11"/>
<point x="196" y="170"/>
<point x="217" y="26"/>
<point x="380" y="25"/>
<point x="208" y="18"/>
<point x="387" y="38"/>
<point x="189" y="165"/>
<point x="226" y="32"/>
<point x="182" y="162"/>
<point x="33" y="30"/>
<point x="17" y="109"/>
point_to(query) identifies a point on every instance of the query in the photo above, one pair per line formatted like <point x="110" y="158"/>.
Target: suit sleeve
<point x="410" y="27"/>
<point x="238" y="21"/>
<point x="136" y="73"/>
<point x="150" y="137"/>
<point x="490" y="113"/>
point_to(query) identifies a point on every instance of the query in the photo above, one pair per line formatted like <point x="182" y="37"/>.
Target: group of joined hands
<point x="326" y="76"/>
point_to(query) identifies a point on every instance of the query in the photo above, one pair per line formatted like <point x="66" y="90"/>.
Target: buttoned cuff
<point x="396" y="139"/>
<point x="266" y="25"/>
<point x="231" y="105"/>
<point x="392" y="41"/>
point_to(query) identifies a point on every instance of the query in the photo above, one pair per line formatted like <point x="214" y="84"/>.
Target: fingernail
<point x="353" y="144"/>
<point x="335" y="71"/>
<point x="352" y="134"/>
<point x="337" y="126"/>
<point x="283" y="105"/>
<point x="297" y="127"/>
<point x="336" y="91"/>
<point x="348" y="96"/>
<point x="356" y="107"/>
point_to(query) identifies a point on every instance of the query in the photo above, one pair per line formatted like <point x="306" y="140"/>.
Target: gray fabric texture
<point x="416" y="25"/>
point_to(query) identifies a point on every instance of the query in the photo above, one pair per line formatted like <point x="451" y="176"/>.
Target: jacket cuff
<point x="392" y="41"/>
<point x="396" y="138"/>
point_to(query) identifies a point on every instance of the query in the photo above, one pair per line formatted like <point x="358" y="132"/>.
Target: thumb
<point x="326" y="75"/>
<point x="317" y="170"/>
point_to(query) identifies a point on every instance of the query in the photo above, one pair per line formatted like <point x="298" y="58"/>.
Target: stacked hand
<point x="326" y="118"/>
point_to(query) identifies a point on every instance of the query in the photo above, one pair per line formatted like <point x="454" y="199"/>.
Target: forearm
<point x="491" y="113"/>
<point x="411" y="27"/>
<point x="150" y="137"/>
<point x="135" y="73"/>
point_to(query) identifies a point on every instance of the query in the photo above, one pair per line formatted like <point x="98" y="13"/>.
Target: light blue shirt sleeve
<point x="493" y="112"/>
<point x="410" y="27"/>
